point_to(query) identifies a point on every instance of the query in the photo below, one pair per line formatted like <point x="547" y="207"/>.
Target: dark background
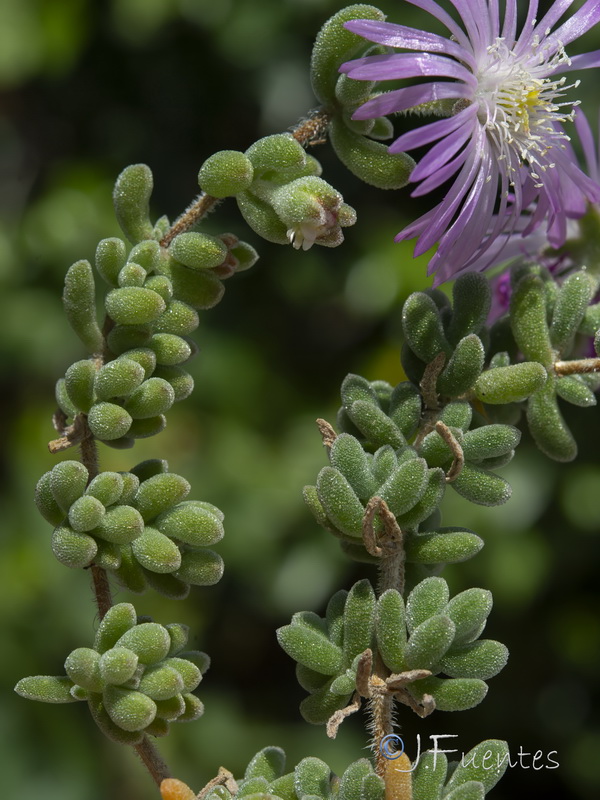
<point x="87" y="88"/>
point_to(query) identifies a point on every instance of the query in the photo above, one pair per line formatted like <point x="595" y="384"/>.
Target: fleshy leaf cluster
<point x="135" y="524"/>
<point x="433" y="777"/>
<point x="357" y="143"/>
<point x="430" y="644"/>
<point x="279" y="192"/>
<point x="136" y="679"/>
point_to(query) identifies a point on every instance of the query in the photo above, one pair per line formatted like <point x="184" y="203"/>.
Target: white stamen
<point x="517" y="103"/>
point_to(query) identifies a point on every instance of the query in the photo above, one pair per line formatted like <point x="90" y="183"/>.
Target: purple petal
<point x="441" y="153"/>
<point x="474" y="217"/>
<point x="392" y="35"/>
<point x="588" y="187"/>
<point x="526" y="34"/>
<point x="581" y="21"/>
<point x="432" y="131"/>
<point x="442" y="175"/>
<point x="476" y="17"/>
<point x="436" y="11"/>
<point x="406" y="65"/>
<point x="588" y="144"/>
<point x="449" y="205"/>
<point x="494" y="19"/>
<point x="509" y="27"/>
<point x="581" y="61"/>
<point x="550" y="19"/>
<point x="401" y="99"/>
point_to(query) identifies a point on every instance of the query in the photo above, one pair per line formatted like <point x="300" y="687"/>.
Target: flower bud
<point x="312" y="211"/>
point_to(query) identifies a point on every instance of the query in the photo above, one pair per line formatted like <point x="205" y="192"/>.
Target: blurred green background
<point x="87" y="88"/>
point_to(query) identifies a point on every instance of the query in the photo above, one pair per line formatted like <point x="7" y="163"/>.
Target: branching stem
<point x="152" y="761"/>
<point x="582" y="366"/>
<point x="193" y="214"/>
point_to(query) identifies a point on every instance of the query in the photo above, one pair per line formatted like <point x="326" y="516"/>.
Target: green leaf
<point x="428" y="642"/>
<point x="72" y="548"/>
<point x="359" y="620"/>
<point x="472" y="299"/>
<point x="149" y="640"/>
<point x="427" y="599"/>
<point x="352" y="779"/>
<point x="481" y="486"/>
<point x="574" y="390"/>
<point x="226" y="173"/>
<point x="111" y="255"/>
<point x="131" y="198"/>
<point x="334" y="45"/>
<point x="79" y="300"/>
<point x="547" y="426"/>
<point x="198" y="250"/>
<point x="423" y="329"/>
<point x="406" y="407"/>
<point x="120" y="377"/>
<point x="486" y="763"/>
<point x="430" y="500"/>
<point x="170" y="349"/>
<point x="120" y="524"/>
<point x="318" y="707"/>
<point x="67" y="482"/>
<point x="348" y="456"/>
<point x="46" y="689"/>
<point x="45" y="502"/>
<point x="375" y="424"/>
<point x="200" y="567"/>
<point x="312" y="777"/>
<point x="469" y="611"/>
<point x="191" y="523"/>
<point x="161" y="682"/>
<point x="129" y="710"/>
<point x="405" y="486"/>
<point x="118" y="665"/>
<point x="156" y="552"/>
<point x="107" y="487"/>
<point x="481" y="659"/>
<point x="391" y="629"/>
<point x="117" y="621"/>
<point x="446" y="546"/>
<point x="463" y="368"/>
<point x="368" y="160"/>
<point x="510" y="384"/>
<point x="86" y="513"/>
<point x="573" y="299"/>
<point x="490" y="441"/>
<point x="340" y="502"/>
<point x="473" y="790"/>
<point x="159" y="493"/>
<point x="429" y="776"/>
<point x="305" y="640"/>
<point x="154" y="397"/>
<point x="528" y="320"/>
<point x="451" y="694"/>
<point x="108" y="421"/>
<point x="134" y="305"/>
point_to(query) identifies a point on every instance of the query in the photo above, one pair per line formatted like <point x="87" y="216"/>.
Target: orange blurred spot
<point x="174" y="789"/>
<point x="398" y="785"/>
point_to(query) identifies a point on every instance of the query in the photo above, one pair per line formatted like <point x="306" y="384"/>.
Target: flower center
<point x="517" y="98"/>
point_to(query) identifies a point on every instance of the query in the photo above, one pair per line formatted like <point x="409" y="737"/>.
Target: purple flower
<point x="504" y="143"/>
